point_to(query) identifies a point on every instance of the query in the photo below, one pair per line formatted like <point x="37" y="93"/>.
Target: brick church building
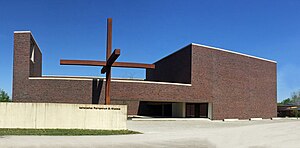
<point x="195" y="81"/>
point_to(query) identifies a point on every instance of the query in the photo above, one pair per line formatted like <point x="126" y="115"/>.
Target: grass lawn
<point x="63" y="132"/>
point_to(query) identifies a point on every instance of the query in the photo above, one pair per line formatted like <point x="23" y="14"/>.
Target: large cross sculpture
<point x="110" y="62"/>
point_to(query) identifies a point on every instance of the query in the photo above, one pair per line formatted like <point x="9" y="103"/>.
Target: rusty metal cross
<point x="110" y="62"/>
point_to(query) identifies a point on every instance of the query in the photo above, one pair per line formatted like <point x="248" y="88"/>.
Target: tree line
<point x="293" y="100"/>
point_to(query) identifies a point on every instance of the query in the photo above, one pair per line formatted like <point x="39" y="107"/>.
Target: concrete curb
<point x="277" y="118"/>
<point x="230" y="120"/>
<point x="255" y="119"/>
<point x="292" y="118"/>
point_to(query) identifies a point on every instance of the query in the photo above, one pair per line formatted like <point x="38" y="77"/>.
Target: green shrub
<point x="4" y="96"/>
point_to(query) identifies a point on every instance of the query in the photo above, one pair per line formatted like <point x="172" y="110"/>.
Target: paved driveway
<point x="253" y="134"/>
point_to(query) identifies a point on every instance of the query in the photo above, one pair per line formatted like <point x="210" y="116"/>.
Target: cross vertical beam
<point x="108" y="53"/>
<point x="109" y="38"/>
<point x="110" y="62"/>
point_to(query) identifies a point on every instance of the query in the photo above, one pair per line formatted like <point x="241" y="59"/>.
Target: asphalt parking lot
<point x="206" y="134"/>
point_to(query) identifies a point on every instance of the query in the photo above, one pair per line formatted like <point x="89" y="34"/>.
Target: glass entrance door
<point x="197" y="110"/>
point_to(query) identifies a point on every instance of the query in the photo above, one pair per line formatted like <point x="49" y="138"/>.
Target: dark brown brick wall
<point x="81" y="91"/>
<point x="21" y="65"/>
<point x="175" y="67"/>
<point x="236" y="85"/>
<point x="149" y="92"/>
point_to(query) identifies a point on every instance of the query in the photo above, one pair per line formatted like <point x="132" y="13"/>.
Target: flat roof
<point x="84" y="78"/>
<point x="233" y="52"/>
<point x="90" y="77"/>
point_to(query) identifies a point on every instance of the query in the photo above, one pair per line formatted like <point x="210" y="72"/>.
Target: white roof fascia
<point x="225" y="50"/>
<point x="113" y="80"/>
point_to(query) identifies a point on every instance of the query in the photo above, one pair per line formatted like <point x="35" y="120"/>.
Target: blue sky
<point x="149" y="30"/>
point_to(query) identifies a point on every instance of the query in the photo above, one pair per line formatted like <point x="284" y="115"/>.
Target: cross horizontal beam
<point x="83" y="62"/>
<point x="103" y="63"/>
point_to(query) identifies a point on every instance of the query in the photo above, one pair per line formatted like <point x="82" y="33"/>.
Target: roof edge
<point x="28" y="31"/>
<point x="22" y="31"/>
<point x="113" y="80"/>
<point x="233" y="52"/>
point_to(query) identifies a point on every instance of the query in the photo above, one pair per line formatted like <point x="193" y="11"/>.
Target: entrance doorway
<point x="197" y="110"/>
<point x="155" y="109"/>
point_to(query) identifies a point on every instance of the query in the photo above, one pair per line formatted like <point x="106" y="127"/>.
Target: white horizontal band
<point x="113" y="80"/>
<point x="22" y="31"/>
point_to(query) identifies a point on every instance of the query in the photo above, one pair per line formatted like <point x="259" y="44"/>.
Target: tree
<point x="4" y="96"/>
<point x="294" y="100"/>
<point x="286" y="101"/>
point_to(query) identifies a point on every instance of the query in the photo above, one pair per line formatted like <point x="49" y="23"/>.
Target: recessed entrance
<point x="174" y="109"/>
<point x="197" y="110"/>
<point x="155" y="109"/>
